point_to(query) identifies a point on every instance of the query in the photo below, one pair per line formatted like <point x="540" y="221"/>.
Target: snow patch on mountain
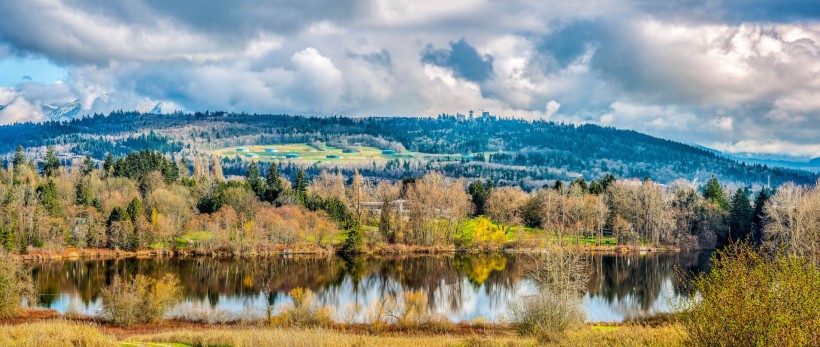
<point x="151" y="106"/>
<point x="63" y="112"/>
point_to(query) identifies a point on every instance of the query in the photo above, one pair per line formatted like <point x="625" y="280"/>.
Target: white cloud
<point x="666" y="70"/>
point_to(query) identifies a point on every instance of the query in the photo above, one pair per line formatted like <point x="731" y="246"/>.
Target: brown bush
<point x="140" y="300"/>
<point x="16" y="285"/>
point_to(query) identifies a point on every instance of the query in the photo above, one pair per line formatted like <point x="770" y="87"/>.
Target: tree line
<point x="149" y="200"/>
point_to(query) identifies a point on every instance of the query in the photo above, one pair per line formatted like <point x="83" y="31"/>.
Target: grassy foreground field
<point x="58" y="332"/>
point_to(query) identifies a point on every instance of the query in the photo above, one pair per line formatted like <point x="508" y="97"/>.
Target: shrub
<point x="408" y="310"/>
<point x="560" y="277"/>
<point x="16" y="285"/>
<point x="141" y="300"/>
<point x="304" y="312"/>
<point x="546" y="315"/>
<point x="748" y="299"/>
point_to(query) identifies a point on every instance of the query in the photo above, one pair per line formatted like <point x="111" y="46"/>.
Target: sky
<point x="737" y="76"/>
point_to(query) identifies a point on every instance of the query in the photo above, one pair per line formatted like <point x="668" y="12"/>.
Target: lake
<point x="459" y="287"/>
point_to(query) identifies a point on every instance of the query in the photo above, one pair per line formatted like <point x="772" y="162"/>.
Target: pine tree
<point x="19" y="158"/>
<point x="7" y="236"/>
<point x="581" y="183"/>
<point x="274" y="182"/>
<point x="300" y="183"/>
<point x="50" y="198"/>
<point x="608" y="180"/>
<point x="254" y="179"/>
<point x="51" y="167"/>
<point x="479" y="193"/>
<point x="88" y="166"/>
<point x="713" y="192"/>
<point x="108" y="164"/>
<point x="84" y="195"/>
<point x="740" y="220"/>
<point x="135" y="209"/>
<point x="759" y="215"/>
<point x="596" y="188"/>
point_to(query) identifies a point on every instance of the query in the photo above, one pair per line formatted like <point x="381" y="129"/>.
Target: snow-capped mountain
<point x="64" y="112"/>
<point x="151" y="107"/>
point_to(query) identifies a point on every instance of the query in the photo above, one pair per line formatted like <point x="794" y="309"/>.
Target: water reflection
<point x="461" y="287"/>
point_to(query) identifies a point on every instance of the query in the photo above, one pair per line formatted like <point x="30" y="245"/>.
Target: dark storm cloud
<point x="462" y="58"/>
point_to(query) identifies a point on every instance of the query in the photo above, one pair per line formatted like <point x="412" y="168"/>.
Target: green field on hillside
<point x="305" y="152"/>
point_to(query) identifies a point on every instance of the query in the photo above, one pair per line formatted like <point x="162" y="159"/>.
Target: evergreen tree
<point x="211" y="201"/>
<point x="135" y="209"/>
<point x="108" y="164"/>
<point x="19" y="158"/>
<point x="596" y="188"/>
<point x="479" y="193"/>
<point x="713" y="192"/>
<point x="49" y="197"/>
<point x="118" y="214"/>
<point x="119" y="237"/>
<point x="7" y="238"/>
<point x="354" y="240"/>
<point x="581" y="183"/>
<point x="138" y="165"/>
<point x="740" y="220"/>
<point x="254" y="179"/>
<point x="274" y="182"/>
<point x="759" y="215"/>
<point x="559" y="186"/>
<point x="608" y="180"/>
<point x="51" y="167"/>
<point x="84" y="195"/>
<point x="88" y="166"/>
<point x="300" y="183"/>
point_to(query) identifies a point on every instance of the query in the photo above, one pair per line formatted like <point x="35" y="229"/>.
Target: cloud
<point x="463" y="59"/>
<point x="770" y="147"/>
<point x="707" y="72"/>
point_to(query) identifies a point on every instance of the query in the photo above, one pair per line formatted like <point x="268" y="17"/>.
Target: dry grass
<point x="49" y="333"/>
<point x="625" y="335"/>
<point x="668" y="335"/>
<point x="53" y="333"/>
<point x="242" y="337"/>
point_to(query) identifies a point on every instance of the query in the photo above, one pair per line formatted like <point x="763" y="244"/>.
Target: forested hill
<point x="511" y="150"/>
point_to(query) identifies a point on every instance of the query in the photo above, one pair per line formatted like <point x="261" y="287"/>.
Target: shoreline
<point x="395" y="249"/>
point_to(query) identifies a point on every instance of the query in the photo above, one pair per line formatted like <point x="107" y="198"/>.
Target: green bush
<point x="140" y="300"/>
<point x="16" y="285"/>
<point x="749" y="299"/>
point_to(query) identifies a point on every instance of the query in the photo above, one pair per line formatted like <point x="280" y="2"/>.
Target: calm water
<point x="461" y="287"/>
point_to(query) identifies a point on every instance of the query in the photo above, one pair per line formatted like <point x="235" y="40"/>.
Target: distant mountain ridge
<point x="516" y="151"/>
<point x="63" y="112"/>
